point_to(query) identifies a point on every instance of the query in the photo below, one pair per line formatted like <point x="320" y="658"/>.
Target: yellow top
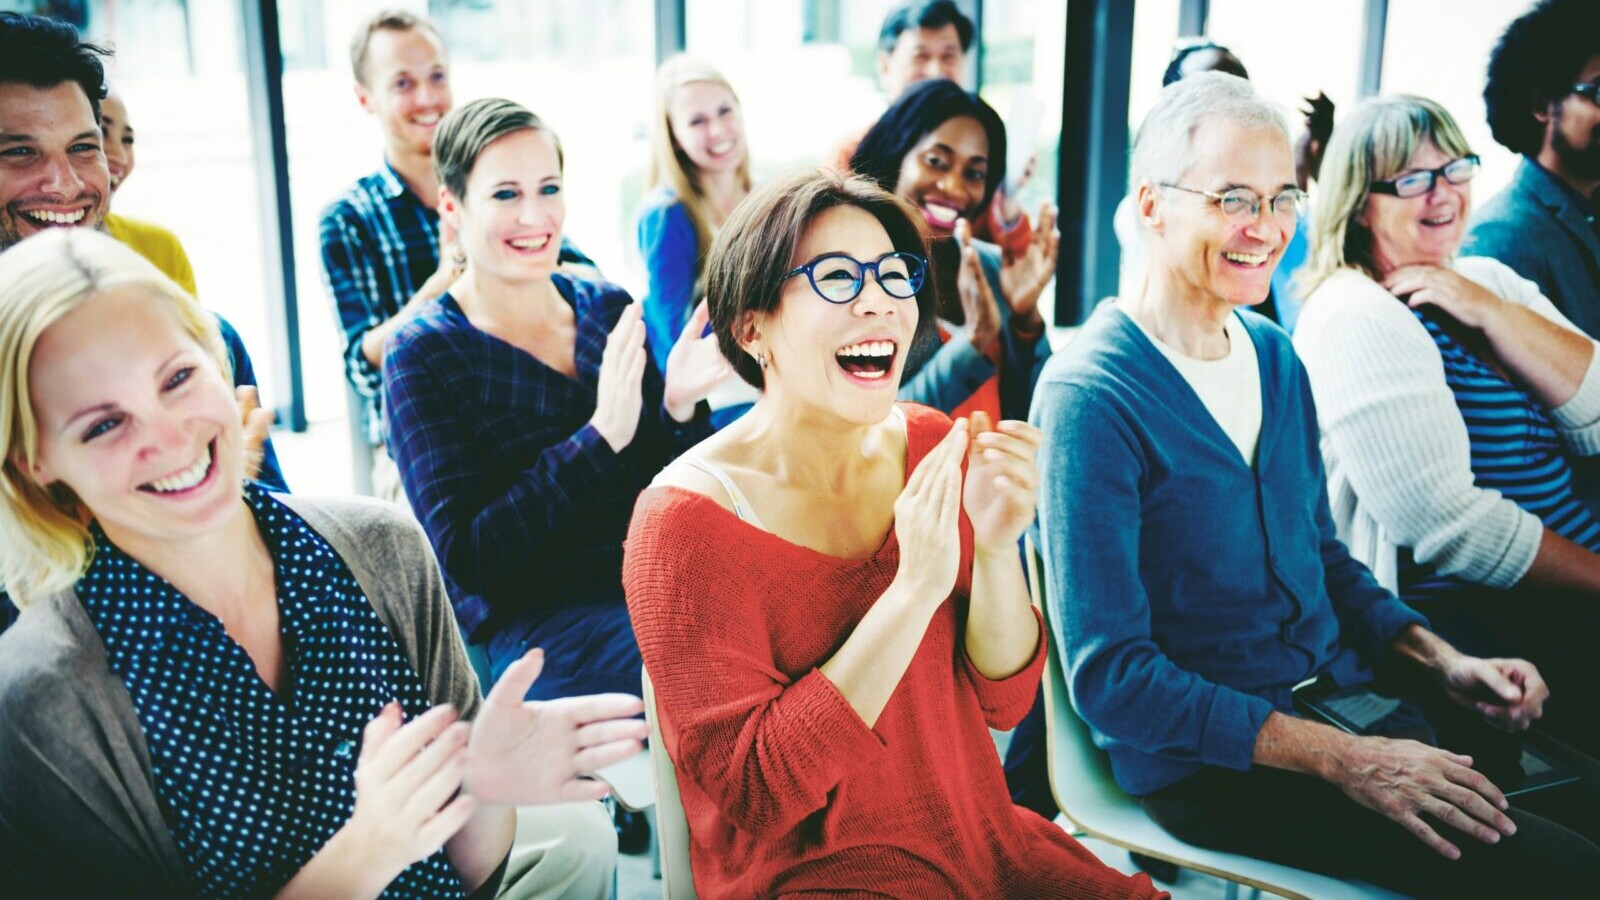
<point x="156" y="244"/>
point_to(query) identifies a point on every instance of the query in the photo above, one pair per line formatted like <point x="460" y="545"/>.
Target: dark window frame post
<point x="264" y="83"/>
<point x="1093" y="153"/>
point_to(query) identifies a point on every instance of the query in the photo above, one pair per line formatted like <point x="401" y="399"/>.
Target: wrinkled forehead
<point x="1224" y="155"/>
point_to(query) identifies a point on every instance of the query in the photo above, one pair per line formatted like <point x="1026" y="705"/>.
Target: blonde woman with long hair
<point x="218" y="691"/>
<point x="699" y="171"/>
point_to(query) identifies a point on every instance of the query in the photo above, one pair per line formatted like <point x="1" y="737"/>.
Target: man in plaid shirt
<point x="385" y="254"/>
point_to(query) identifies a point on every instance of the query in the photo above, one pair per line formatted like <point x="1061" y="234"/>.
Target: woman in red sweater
<point x="833" y="617"/>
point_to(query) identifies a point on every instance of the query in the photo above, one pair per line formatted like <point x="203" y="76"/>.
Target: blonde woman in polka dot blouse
<point x="216" y="691"/>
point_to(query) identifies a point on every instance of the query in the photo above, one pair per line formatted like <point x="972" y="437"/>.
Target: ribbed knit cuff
<point x="1579" y="417"/>
<point x="1006" y="700"/>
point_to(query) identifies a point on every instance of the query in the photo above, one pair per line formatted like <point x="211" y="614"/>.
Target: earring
<point x="458" y="260"/>
<point x="761" y="360"/>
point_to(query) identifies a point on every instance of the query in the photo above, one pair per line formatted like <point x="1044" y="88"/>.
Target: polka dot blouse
<point x="254" y="784"/>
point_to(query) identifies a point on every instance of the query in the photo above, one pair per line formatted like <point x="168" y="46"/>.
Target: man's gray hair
<point x="1163" y="149"/>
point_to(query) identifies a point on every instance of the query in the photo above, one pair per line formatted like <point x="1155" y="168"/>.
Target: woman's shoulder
<point x="50" y="661"/>
<point x="1346" y="298"/>
<point x="660" y="206"/>
<point x="354" y="524"/>
<point x="1497" y="277"/>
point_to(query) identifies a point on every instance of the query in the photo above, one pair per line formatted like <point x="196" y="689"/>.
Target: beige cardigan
<point x="79" y="816"/>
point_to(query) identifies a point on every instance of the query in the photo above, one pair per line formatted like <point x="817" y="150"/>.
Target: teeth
<point x="722" y="148"/>
<point x="55" y="218"/>
<point x="538" y="243"/>
<point x="872" y="374"/>
<point x="869" y="348"/>
<point x="1443" y="220"/>
<point x="941" y="213"/>
<point x="1249" y="259"/>
<point x="428" y="119"/>
<point x="186" y="479"/>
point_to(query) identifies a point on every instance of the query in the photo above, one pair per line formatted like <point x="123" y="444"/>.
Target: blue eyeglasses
<point x="839" y="277"/>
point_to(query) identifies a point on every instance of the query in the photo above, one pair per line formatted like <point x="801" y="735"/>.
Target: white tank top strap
<point x="741" y="505"/>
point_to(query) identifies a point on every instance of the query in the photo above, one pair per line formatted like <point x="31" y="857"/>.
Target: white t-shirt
<point x="1229" y="387"/>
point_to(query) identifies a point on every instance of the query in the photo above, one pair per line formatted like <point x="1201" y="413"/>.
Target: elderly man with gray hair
<point x="1195" y="572"/>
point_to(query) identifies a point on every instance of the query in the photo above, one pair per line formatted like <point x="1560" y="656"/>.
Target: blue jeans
<point x="588" y="649"/>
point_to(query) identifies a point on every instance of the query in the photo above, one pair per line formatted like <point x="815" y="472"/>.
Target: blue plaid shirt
<point x="380" y="243"/>
<point x="525" y="503"/>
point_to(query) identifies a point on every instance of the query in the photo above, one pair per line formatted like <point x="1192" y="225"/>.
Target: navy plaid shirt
<point x="380" y="243"/>
<point x="525" y="503"/>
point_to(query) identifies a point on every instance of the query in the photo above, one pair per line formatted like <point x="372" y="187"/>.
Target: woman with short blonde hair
<point x="218" y="691"/>
<point x="1453" y="398"/>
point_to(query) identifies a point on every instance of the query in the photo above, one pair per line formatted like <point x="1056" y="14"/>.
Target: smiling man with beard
<point x="1543" y="101"/>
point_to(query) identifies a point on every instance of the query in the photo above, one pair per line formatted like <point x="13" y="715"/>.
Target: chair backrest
<point x="672" y="827"/>
<point x="1080" y="772"/>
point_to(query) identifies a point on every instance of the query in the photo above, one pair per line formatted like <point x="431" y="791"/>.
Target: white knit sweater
<point x="1396" y="449"/>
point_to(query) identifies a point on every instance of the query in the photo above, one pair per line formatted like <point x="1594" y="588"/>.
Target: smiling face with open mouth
<point x="945" y="174"/>
<point x="1425" y="229"/>
<point x="844" y="358"/>
<point x="707" y="126"/>
<point x="407" y="87"/>
<point x="53" y="172"/>
<point x="510" y="221"/>
<point x="1197" y="247"/>
<point x="135" y="417"/>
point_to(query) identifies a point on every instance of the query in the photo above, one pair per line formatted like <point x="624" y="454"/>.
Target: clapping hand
<point x="257" y="424"/>
<point x="695" y="367"/>
<point x="407" y="781"/>
<point x="525" y="752"/>
<point x="978" y="306"/>
<point x="1023" y="277"/>
<point x="619" y="392"/>
<point x="927" y="519"/>
<point x="1001" y="490"/>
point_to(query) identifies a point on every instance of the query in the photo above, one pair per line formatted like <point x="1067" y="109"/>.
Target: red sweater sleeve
<point x="765" y="748"/>
<point x="1006" y="701"/>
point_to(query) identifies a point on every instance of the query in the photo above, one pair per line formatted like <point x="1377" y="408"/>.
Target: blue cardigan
<point x="1191" y="591"/>
<point x="670" y="250"/>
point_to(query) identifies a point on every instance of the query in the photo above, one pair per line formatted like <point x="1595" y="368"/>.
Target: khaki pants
<point x="566" y="850"/>
<point x="386" y="483"/>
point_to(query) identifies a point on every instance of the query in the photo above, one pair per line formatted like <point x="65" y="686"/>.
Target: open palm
<point x="1001" y="489"/>
<point x="526" y="752"/>
<point x="1023" y="277"/>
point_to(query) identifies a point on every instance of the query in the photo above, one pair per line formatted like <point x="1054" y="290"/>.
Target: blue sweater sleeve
<point x="1121" y="682"/>
<point x="670" y="250"/>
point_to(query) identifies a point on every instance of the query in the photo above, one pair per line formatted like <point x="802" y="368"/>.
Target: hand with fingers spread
<point x="927" y="519"/>
<point x="1509" y="693"/>
<point x="408" y="779"/>
<point x="257" y="425"/>
<point x="978" y="307"/>
<point x="1468" y="302"/>
<point x="526" y="752"/>
<point x="695" y="367"/>
<point x="1023" y="277"/>
<point x="1407" y="780"/>
<point x="619" y="393"/>
<point x="1002" y="481"/>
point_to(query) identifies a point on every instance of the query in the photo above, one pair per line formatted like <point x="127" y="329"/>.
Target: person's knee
<point x="562" y="850"/>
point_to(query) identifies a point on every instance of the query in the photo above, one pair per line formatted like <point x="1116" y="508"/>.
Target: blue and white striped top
<point x="1516" y="450"/>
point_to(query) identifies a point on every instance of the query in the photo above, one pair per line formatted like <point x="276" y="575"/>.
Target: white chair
<point x="1080" y="778"/>
<point x="672" y="826"/>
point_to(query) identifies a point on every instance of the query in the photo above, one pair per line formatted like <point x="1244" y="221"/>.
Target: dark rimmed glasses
<point x="1415" y="184"/>
<point x="1589" y="90"/>
<point x="1242" y="203"/>
<point x="839" y="277"/>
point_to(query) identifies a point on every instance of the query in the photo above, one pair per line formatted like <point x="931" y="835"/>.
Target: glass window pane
<point x="195" y="173"/>
<point x="1155" y="31"/>
<point x="1417" y="61"/>
<point x="1290" y="58"/>
<point x="530" y="51"/>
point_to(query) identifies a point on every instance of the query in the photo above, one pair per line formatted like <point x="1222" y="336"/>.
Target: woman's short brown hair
<point x="467" y="130"/>
<point x="756" y="246"/>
